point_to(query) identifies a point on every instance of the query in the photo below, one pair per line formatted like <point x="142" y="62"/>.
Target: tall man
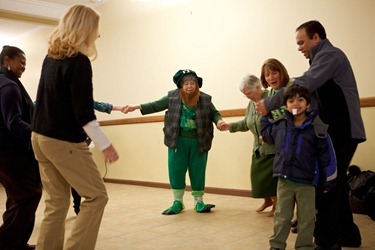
<point x="331" y="80"/>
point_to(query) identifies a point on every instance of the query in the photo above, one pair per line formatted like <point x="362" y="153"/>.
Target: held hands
<point x="222" y="126"/>
<point x="110" y="155"/>
<point x="119" y="108"/>
<point x="131" y="108"/>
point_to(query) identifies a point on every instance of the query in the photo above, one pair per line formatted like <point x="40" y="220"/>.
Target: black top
<point x="16" y="109"/>
<point x="64" y="102"/>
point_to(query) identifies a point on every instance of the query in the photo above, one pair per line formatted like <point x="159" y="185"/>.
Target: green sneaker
<point x="176" y="208"/>
<point x="200" y="207"/>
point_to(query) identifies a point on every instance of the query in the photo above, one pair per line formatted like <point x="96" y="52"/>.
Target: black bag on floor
<point x="362" y="187"/>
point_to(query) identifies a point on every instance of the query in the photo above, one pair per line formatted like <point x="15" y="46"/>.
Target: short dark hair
<point x="11" y="52"/>
<point x="294" y="90"/>
<point x="313" y="27"/>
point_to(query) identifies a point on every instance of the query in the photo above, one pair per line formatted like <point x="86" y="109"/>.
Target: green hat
<point x="183" y="72"/>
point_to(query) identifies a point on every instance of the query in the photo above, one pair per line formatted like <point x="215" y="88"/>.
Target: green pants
<point x="287" y="196"/>
<point x="187" y="158"/>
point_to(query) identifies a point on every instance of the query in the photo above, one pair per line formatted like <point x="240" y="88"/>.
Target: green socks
<point x="178" y="204"/>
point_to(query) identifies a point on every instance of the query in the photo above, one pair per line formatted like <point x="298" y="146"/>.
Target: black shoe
<point x="334" y="247"/>
<point x="294" y="223"/>
<point x="272" y="248"/>
<point x="350" y="236"/>
<point x="350" y="244"/>
<point x="29" y="247"/>
<point x="294" y="227"/>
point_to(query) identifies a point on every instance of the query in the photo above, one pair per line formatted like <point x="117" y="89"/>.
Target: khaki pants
<point x="64" y="165"/>
<point x="289" y="195"/>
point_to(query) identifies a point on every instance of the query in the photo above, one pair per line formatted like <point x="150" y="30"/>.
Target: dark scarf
<point x="28" y="105"/>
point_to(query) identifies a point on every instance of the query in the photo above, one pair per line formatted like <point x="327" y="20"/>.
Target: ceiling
<point x="19" y="17"/>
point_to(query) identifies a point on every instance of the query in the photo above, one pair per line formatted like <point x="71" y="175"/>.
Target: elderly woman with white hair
<point x="262" y="182"/>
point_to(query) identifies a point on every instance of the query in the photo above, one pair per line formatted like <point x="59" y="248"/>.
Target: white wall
<point x="143" y="43"/>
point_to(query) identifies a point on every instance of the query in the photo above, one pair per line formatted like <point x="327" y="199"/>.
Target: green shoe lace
<point x="200" y="207"/>
<point x="176" y="208"/>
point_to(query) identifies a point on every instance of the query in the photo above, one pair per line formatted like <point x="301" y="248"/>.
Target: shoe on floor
<point x="334" y="247"/>
<point x="176" y="208"/>
<point x="200" y="207"/>
<point x="353" y="243"/>
<point x="294" y="223"/>
<point x="293" y="229"/>
<point x="29" y="247"/>
<point x="76" y="210"/>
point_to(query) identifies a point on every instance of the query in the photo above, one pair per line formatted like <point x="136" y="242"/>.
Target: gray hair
<point x="250" y="81"/>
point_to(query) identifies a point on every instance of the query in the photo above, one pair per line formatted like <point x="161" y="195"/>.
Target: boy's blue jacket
<point x="304" y="153"/>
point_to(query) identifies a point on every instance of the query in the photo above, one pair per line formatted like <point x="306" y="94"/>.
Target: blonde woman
<point x="63" y="118"/>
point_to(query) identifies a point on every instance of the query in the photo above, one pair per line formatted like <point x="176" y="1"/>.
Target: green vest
<point x="203" y="116"/>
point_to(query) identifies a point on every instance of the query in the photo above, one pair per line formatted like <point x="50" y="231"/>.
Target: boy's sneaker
<point x="200" y="207"/>
<point x="176" y="208"/>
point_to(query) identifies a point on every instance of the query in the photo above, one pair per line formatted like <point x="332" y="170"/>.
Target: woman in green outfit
<point x="188" y="134"/>
<point x="275" y="76"/>
<point x="263" y="185"/>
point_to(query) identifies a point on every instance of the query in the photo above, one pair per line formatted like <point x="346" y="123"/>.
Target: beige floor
<point x="133" y="220"/>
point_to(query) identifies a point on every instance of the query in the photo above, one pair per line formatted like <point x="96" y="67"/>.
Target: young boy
<point x="188" y="134"/>
<point x="304" y="160"/>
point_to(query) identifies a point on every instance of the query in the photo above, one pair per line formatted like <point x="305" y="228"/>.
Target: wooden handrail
<point x="365" y="102"/>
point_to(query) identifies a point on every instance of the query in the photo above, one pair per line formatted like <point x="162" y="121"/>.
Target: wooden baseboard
<point x="210" y="190"/>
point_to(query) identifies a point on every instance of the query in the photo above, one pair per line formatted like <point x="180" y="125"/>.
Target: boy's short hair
<point x="294" y="90"/>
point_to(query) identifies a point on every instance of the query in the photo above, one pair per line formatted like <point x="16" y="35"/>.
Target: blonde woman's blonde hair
<point x="77" y="32"/>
